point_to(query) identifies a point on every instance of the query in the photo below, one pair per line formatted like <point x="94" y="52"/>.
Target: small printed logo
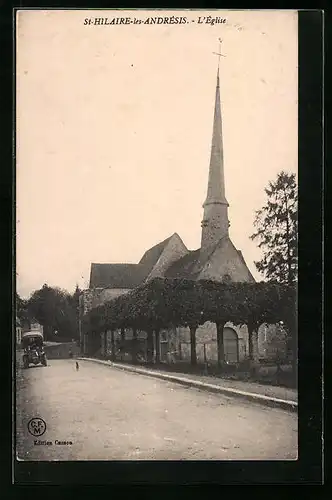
<point x="37" y="426"/>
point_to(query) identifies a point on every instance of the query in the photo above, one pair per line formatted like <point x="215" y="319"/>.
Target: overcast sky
<point x="114" y="127"/>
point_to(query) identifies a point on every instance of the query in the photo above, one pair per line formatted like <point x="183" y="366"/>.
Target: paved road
<point x="109" y="414"/>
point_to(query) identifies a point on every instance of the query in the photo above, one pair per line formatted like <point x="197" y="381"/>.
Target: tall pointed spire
<point x="216" y="184"/>
<point x="215" y="223"/>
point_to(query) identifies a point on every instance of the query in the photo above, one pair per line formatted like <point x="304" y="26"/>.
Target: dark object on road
<point x="77" y="366"/>
<point x="33" y="349"/>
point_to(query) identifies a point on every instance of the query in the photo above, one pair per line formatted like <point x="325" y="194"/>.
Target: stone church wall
<point x="207" y="334"/>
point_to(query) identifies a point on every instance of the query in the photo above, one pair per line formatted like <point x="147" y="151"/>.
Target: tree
<point x="55" y="310"/>
<point x="276" y="231"/>
<point x="276" y="345"/>
<point x="22" y="311"/>
<point x="75" y="303"/>
<point x="276" y="348"/>
<point x="168" y="302"/>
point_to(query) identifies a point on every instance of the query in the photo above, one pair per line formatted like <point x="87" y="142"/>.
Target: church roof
<point x="184" y="267"/>
<point x="152" y="255"/>
<point x="244" y="262"/>
<point x="189" y="266"/>
<point x="192" y="264"/>
<point x="117" y="275"/>
<point x="126" y="275"/>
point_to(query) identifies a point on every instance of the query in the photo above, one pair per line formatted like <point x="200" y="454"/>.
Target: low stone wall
<point x="61" y="351"/>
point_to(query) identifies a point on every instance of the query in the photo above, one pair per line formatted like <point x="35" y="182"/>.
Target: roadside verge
<point x="210" y="387"/>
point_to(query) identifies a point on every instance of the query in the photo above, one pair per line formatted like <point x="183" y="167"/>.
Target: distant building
<point x="35" y="326"/>
<point x="32" y="325"/>
<point x="18" y="329"/>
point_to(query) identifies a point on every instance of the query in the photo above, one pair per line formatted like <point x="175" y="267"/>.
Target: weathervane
<point x="219" y="53"/>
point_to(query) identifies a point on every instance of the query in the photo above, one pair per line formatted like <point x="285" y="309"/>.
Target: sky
<point x="114" y="129"/>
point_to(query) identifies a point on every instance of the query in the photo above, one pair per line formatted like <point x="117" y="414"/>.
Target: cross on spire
<point x="215" y="221"/>
<point x="219" y="54"/>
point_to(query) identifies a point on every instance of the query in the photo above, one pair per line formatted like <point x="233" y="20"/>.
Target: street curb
<point x="257" y="398"/>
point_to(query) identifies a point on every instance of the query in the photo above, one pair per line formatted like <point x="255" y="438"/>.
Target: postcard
<point x="156" y="203"/>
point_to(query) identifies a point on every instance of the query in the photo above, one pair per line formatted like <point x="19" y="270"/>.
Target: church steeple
<point x="215" y="222"/>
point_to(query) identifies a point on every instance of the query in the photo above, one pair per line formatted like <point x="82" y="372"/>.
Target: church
<point x="217" y="259"/>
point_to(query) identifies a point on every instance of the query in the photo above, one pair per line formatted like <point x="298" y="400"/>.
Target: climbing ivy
<point x="162" y="303"/>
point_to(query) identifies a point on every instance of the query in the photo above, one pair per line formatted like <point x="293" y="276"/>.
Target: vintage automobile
<point x="33" y="349"/>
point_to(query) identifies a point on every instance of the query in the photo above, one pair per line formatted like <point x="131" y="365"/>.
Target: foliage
<point x="162" y="303"/>
<point x="22" y="309"/>
<point x="56" y="310"/>
<point x="276" y="230"/>
<point x="276" y="345"/>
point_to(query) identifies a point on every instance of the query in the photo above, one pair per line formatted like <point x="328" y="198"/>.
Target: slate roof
<point x="126" y="275"/>
<point x="152" y="255"/>
<point x="130" y="276"/>
<point x="184" y="267"/>
<point x="117" y="275"/>
<point x="191" y="265"/>
<point x="244" y="262"/>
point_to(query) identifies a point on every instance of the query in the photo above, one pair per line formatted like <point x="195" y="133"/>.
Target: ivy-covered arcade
<point x="169" y="303"/>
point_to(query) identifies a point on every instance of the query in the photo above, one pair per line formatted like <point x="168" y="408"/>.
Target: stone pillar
<point x="220" y="344"/>
<point x="157" y="345"/>
<point x="112" y="345"/>
<point x="253" y="346"/>
<point x="123" y="335"/>
<point x="105" y="344"/>
<point x="122" y="342"/>
<point x="99" y="343"/>
<point x="193" y="355"/>
<point x="294" y="344"/>
<point x="103" y="348"/>
<point x="92" y="343"/>
<point x="255" y="353"/>
<point x="134" y="347"/>
<point x="108" y="342"/>
<point x="89" y="343"/>
<point x="149" y="350"/>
